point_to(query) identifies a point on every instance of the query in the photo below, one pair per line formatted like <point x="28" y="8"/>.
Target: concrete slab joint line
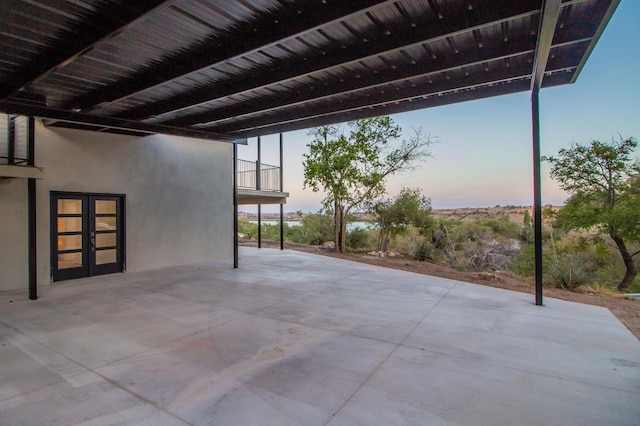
<point x="380" y="365"/>
<point x="306" y="339"/>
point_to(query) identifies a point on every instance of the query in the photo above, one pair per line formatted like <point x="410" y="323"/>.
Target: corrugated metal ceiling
<point x="238" y="68"/>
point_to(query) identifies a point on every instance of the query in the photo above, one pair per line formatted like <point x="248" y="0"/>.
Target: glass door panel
<point x="69" y="224"/>
<point x="105" y="240"/>
<point x="104" y="257"/>
<point x="70" y="206"/>
<point x="69" y="237"/>
<point x="69" y="260"/>
<point x="106" y="223"/>
<point x="106" y="206"/>
<point x="69" y="243"/>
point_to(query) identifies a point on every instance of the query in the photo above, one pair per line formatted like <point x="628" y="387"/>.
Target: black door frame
<point x="89" y="266"/>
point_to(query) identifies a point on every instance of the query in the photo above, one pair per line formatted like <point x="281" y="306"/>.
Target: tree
<point x="316" y="229"/>
<point x="604" y="187"/>
<point x="352" y="169"/>
<point x="409" y="208"/>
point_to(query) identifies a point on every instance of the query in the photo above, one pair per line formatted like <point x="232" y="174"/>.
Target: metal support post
<point x="235" y="206"/>
<point x="31" y="206"/>
<point x="258" y="173"/>
<point x="259" y="187"/>
<point x="259" y="226"/>
<point x="537" y="193"/>
<point x="281" y="226"/>
<point x="281" y="205"/>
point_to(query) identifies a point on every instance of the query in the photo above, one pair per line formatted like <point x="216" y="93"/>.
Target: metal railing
<point x="14" y="140"/>
<point x="258" y="176"/>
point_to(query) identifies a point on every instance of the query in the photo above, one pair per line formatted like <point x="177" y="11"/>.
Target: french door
<point x="87" y="235"/>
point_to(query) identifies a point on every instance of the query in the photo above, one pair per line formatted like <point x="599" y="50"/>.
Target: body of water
<point x="350" y="226"/>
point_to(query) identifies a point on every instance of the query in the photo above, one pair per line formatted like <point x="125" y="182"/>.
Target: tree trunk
<point x="632" y="270"/>
<point x="385" y="241"/>
<point x="336" y="226"/>
<point x="343" y="234"/>
<point x="381" y="237"/>
<point x="339" y="228"/>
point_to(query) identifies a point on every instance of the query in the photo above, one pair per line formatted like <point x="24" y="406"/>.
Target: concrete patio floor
<point x="298" y="339"/>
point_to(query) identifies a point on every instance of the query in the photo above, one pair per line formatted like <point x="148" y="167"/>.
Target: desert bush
<point x="272" y="232"/>
<point x="316" y="229"/>
<point x="572" y="261"/>
<point x="602" y="289"/>
<point x="567" y="270"/>
<point x="422" y="250"/>
<point x="247" y="228"/>
<point x="490" y="255"/>
<point x="524" y="263"/>
<point x="358" y="239"/>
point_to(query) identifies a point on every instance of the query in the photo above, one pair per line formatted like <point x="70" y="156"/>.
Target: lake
<point x="350" y="226"/>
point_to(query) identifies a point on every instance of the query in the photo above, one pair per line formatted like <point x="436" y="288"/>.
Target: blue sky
<point x="483" y="152"/>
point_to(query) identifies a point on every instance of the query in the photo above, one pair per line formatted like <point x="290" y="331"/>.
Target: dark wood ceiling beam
<point x="548" y="23"/>
<point x="390" y="108"/>
<point x="402" y="72"/>
<point x="91" y="32"/>
<point x="270" y="30"/>
<point x="377" y="98"/>
<point x="423" y="32"/>
<point x="20" y="108"/>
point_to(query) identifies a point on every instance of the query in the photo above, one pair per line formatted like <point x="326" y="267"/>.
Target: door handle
<point x="93" y="241"/>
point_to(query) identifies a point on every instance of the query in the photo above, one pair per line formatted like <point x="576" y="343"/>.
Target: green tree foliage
<point x="358" y="238"/>
<point x="316" y="229"/>
<point x="351" y="169"/>
<point x="604" y="188"/>
<point x="247" y="228"/>
<point x="409" y="208"/>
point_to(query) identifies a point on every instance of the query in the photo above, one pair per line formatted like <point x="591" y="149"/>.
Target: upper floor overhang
<point x="232" y="70"/>
<point x="252" y="196"/>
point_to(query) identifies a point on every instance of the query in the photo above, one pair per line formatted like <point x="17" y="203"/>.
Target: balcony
<point x="16" y="149"/>
<point x="259" y="183"/>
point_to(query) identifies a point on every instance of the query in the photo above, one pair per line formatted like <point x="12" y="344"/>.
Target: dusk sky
<point x="483" y="152"/>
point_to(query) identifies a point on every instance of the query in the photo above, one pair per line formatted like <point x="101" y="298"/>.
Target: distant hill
<point x="515" y="213"/>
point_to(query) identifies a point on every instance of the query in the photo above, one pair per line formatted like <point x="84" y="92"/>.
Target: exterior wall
<point x="13" y="234"/>
<point x="179" y="200"/>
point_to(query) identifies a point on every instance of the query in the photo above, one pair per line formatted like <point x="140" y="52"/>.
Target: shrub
<point x="524" y="264"/>
<point x="567" y="270"/>
<point x="422" y="250"/>
<point x="247" y="228"/>
<point x="358" y="238"/>
<point x="488" y="255"/>
<point x="317" y="229"/>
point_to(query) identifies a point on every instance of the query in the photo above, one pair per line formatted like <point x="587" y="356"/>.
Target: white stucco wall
<point x="179" y="201"/>
<point x="13" y="234"/>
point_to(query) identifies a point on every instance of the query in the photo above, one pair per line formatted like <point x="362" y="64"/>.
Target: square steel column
<point x="259" y="188"/>
<point x="235" y="205"/>
<point x="537" y="192"/>
<point x="31" y="206"/>
<point x="281" y="205"/>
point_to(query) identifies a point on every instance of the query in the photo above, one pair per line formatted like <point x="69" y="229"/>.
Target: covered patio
<point x="297" y="338"/>
<point x="229" y="70"/>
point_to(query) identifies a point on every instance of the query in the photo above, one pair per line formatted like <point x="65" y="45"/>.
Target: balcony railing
<point x="14" y="140"/>
<point x="258" y="176"/>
